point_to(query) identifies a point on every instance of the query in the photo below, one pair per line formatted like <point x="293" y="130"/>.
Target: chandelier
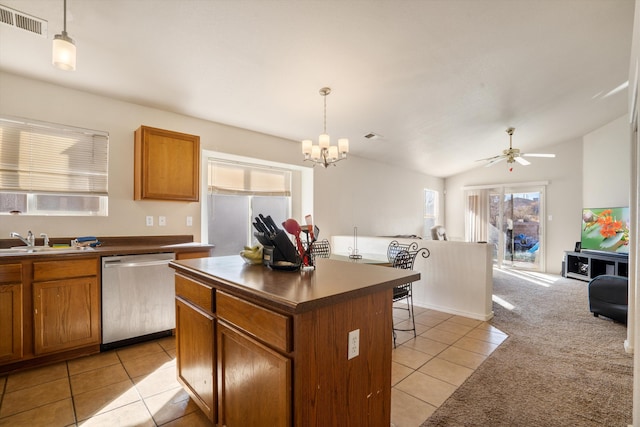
<point x="324" y="153"/>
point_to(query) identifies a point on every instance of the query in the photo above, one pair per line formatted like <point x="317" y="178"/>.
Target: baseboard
<point x="628" y="347"/>
<point x="477" y="316"/>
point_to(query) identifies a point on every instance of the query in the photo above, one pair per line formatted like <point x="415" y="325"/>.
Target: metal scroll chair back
<point x="395" y="247"/>
<point x="405" y="259"/>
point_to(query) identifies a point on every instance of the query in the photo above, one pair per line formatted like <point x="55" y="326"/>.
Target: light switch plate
<point x="189" y="221"/>
<point x="162" y="221"/>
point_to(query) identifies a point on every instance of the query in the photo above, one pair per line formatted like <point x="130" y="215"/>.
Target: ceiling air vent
<point x="372" y="135"/>
<point x="23" y="21"/>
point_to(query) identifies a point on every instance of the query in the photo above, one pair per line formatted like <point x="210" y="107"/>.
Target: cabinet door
<point x="10" y="322"/>
<point x="166" y="165"/>
<point x="195" y="355"/>
<point x="66" y="314"/>
<point x="254" y="382"/>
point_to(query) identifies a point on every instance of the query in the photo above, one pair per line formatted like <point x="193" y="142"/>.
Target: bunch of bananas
<point x="252" y="255"/>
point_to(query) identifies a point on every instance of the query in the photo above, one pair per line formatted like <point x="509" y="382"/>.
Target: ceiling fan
<point x="512" y="155"/>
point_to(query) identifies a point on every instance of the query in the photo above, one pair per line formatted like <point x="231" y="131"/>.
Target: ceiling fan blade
<point x="522" y="161"/>
<point x="495" y="160"/>
<point x="538" y="155"/>
<point x="488" y="159"/>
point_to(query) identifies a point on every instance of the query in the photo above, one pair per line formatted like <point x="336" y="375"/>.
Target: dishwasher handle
<point x="119" y="263"/>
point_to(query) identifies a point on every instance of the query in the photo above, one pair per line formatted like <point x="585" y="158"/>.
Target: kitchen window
<point x="237" y="193"/>
<point x="52" y="169"/>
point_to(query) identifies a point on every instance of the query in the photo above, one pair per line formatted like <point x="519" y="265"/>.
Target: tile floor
<point x="136" y="386"/>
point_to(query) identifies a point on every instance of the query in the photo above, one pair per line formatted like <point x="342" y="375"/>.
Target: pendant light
<point x="64" y="50"/>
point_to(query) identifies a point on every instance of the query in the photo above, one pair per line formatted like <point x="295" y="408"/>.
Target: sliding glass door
<point x="511" y="219"/>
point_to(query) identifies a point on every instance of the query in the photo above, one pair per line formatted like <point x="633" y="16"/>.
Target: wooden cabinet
<point x="66" y="301"/>
<point x="11" y="318"/>
<point x="251" y="372"/>
<point x="195" y="346"/>
<point x="166" y="165"/>
<point x="282" y="341"/>
<point x="49" y="310"/>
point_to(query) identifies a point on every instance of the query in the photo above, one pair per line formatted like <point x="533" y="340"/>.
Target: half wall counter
<point x="457" y="278"/>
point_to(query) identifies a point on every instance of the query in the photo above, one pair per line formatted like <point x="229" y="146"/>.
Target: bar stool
<point x="405" y="259"/>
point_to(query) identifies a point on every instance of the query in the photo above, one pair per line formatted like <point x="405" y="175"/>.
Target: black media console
<point x="587" y="265"/>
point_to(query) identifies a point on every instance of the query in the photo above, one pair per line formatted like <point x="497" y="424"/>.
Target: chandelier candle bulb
<point x="306" y="147"/>
<point x="324" y="141"/>
<point x="333" y="153"/>
<point x="315" y="152"/>
<point x="343" y="146"/>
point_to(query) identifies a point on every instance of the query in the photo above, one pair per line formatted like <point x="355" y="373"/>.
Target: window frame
<point x="38" y="168"/>
<point x="436" y="210"/>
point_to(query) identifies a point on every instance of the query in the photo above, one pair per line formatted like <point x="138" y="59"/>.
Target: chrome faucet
<point x="46" y="239"/>
<point x="29" y="241"/>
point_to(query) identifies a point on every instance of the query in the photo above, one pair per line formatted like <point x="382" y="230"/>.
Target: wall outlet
<point x="354" y="344"/>
<point x="189" y="221"/>
<point x="149" y="221"/>
<point x="162" y="221"/>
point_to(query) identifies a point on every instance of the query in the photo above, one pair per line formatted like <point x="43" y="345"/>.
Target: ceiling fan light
<point x="64" y="52"/>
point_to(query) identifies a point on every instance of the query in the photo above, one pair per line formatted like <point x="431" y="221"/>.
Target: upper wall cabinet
<point x="167" y="165"/>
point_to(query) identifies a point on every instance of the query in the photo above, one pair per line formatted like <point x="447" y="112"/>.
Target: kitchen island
<point x="259" y="347"/>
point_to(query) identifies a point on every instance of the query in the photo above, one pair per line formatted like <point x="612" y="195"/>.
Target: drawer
<point x="52" y="270"/>
<point x="11" y="273"/>
<point x="191" y="255"/>
<point x="195" y="292"/>
<point x="270" y="327"/>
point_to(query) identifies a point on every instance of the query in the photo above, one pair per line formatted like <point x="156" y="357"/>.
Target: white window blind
<point x="39" y="157"/>
<point x="238" y="178"/>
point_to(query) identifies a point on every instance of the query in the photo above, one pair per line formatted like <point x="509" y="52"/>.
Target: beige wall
<point x="377" y="198"/>
<point x="606" y="173"/>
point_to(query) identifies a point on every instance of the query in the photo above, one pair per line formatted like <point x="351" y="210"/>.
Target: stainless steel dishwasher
<point x="138" y="298"/>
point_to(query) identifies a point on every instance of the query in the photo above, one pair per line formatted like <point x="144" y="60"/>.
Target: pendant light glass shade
<point x="63" y="55"/>
<point x="64" y="52"/>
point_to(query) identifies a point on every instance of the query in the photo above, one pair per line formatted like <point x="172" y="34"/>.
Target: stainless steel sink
<point x="37" y="249"/>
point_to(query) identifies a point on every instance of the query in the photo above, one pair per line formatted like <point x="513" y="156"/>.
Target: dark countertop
<point x="294" y="291"/>
<point x="129" y="245"/>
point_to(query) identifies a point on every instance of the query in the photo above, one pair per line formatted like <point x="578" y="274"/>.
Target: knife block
<point x="271" y="255"/>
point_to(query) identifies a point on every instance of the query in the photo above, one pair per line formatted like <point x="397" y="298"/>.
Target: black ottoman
<point x="609" y="297"/>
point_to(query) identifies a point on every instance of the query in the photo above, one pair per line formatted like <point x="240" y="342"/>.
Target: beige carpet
<point x="560" y="365"/>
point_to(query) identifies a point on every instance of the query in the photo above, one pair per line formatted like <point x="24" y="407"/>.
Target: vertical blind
<point x="41" y="157"/>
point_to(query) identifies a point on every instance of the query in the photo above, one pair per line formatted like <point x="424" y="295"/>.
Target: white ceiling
<point x="439" y="80"/>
